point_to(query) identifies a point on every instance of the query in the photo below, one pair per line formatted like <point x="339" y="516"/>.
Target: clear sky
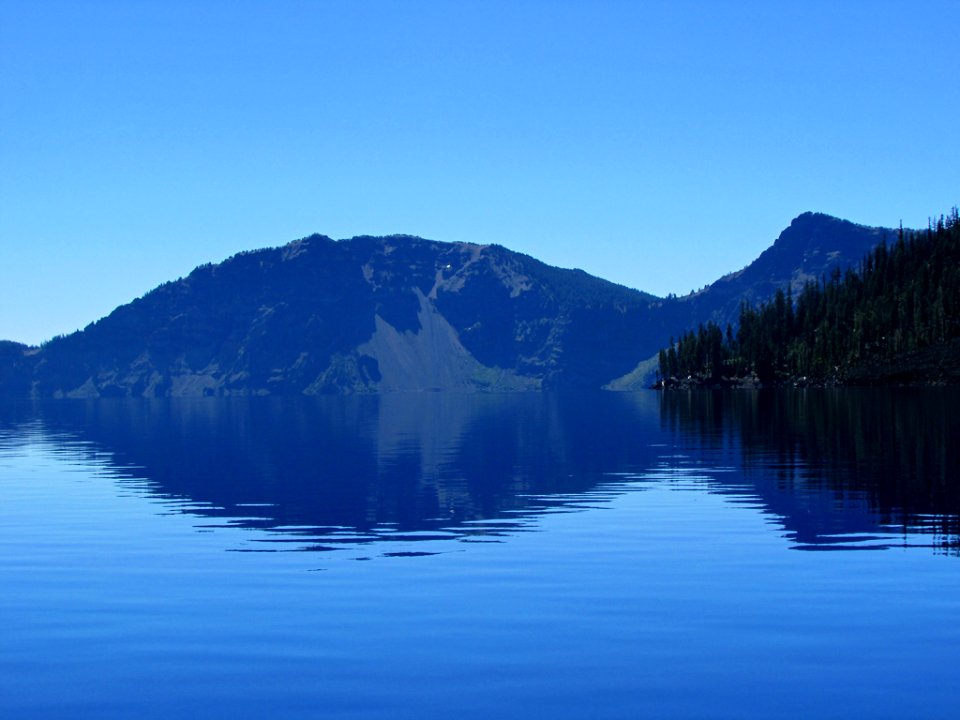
<point x="656" y="144"/>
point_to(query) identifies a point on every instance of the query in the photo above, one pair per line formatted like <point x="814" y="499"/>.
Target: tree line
<point x="902" y="299"/>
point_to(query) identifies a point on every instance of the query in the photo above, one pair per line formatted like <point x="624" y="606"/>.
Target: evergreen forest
<point x="895" y="319"/>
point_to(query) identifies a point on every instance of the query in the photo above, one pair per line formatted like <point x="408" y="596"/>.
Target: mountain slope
<point x="360" y="315"/>
<point x="16" y="367"/>
<point x="893" y="320"/>
<point x="812" y="247"/>
<point x="809" y="249"/>
<point x="400" y="313"/>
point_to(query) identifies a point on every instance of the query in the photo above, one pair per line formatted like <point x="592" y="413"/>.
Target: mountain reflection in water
<point x="837" y="464"/>
<point x="835" y="468"/>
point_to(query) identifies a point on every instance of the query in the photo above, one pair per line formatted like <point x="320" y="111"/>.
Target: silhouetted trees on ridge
<point x="894" y="318"/>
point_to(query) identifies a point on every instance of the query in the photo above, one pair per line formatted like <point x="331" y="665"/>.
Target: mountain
<point x="809" y="249"/>
<point x="398" y="313"/>
<point x="16" y="368"/>
<point x="892" y="320"/>
<point x="360" y="315"/>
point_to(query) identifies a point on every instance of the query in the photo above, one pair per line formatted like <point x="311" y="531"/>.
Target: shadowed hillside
<point x="811" y="248"/>
<point x="399" y="313"/>
<point x="891" y="320"/>
<point x="814" y="246"/>
<point x="361" y="315"/>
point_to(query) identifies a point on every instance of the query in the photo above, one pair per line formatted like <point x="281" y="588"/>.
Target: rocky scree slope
<point x="361" y="315"/>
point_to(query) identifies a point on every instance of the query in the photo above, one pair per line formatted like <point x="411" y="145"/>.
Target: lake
<point x="637" y="555"/>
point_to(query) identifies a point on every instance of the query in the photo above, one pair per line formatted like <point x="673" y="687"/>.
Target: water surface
<point x="421" y="556"/>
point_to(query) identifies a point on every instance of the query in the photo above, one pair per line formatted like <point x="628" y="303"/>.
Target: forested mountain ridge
<point x="893" y="319"/>
<point x="811" y="247"/>
<point x="380" y="314"/>
<point x="16" y="367"/>
<point x="360" y="315"/>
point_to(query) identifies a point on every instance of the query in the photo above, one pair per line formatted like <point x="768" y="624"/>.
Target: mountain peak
<point x="811" y="247"/>
<point x="811" y="233"/>
<point x="400" y="312"/>
<point x="365" y="314"/>
<point x="810" y="215"/>
<point x="815" y="222"/>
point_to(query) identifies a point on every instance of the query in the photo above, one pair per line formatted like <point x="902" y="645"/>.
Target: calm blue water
<point x="751" y="555"/>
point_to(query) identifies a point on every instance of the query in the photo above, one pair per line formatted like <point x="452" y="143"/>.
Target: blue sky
<point x="657" y="144"/>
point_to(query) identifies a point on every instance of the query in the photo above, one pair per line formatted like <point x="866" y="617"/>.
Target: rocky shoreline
<point x="935" y="366"/>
